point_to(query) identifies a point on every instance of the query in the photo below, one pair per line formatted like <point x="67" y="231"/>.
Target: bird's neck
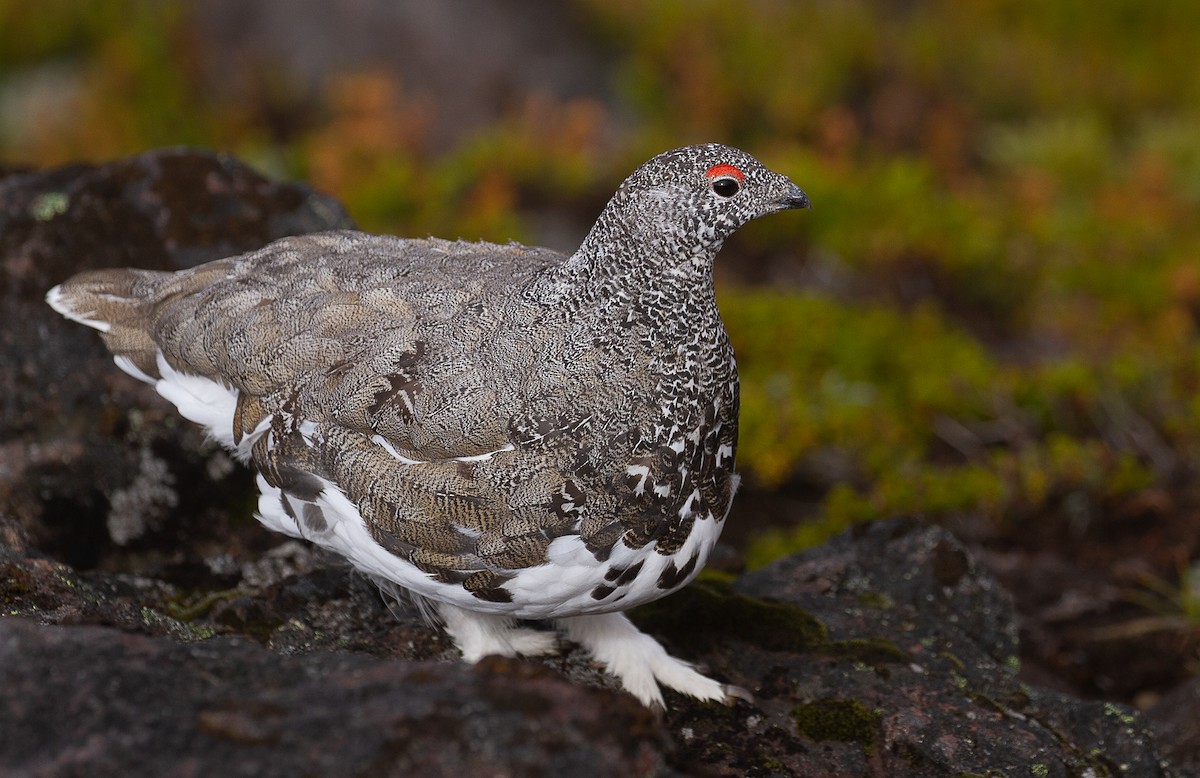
<point x="629" y="254"/>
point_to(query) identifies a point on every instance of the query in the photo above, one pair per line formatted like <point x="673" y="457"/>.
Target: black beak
<point x="794" y="198"/>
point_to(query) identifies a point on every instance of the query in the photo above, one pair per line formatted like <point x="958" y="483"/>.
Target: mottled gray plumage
<point x="476" y="402"/>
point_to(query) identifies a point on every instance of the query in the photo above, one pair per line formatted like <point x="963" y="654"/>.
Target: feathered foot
<point x="640" y="663"/>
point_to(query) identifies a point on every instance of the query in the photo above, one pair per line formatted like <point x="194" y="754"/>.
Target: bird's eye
<point x="725" y="180"/>
<point x="726" y="186"/>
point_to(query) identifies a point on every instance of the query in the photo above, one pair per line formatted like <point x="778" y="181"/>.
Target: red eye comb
<point x="717" y="171"/>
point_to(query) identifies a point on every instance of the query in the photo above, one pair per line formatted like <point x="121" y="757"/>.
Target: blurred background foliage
<point x="989" y="318"/>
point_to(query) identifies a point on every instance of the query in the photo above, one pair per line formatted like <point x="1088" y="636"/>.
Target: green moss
<point x="986" y="702"/>
<point x="711" y="610"/>
<point x="952" y="659"/>
<point x="877" y="600"/>
<point x="180" y="630"/>
<point x="201" y="631"/>
<point x="826" y="380"/>
<point x="876" y="652"/>
<point x="773" y="765"/>
<point x="191" y="608"/>
<point x="48" y="206"/>
<point x="834" y="719"/>
<point x="1120" y="713"/>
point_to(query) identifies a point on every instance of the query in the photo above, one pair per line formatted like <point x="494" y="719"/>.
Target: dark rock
<point x="918" y="673"/>
<point x="154" y="628"/>
<point x="90" y="458"/>
<point x="892" y="569"/>
<point x="98" y="701"/>
<point x="1175" y="720"/>
<point x="161" y="210"/>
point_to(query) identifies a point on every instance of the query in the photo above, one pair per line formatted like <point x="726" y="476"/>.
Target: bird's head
<point x="689" y="200"/>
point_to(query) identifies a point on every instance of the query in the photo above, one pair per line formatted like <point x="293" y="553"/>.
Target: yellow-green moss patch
<point x="847" y="721"/>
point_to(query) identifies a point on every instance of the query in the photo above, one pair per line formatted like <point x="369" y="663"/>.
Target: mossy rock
<point x="848" y="721"/>
<point x="709" y="612"/>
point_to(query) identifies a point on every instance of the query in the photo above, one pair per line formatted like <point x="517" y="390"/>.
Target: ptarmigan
<point x="506" y="433"/>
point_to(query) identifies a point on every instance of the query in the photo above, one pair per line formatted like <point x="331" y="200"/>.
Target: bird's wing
<point x="387" y="337"/>
<point x="388" y="372"/>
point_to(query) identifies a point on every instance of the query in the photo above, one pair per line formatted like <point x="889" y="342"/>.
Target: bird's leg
<point x="639" y="661"/>
<point x="482" y="634"/>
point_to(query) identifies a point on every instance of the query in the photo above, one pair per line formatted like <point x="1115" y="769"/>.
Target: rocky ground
<point x="151" y="627"/>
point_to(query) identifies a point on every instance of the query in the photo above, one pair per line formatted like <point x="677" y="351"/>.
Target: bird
<point x="524" y="443"/>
